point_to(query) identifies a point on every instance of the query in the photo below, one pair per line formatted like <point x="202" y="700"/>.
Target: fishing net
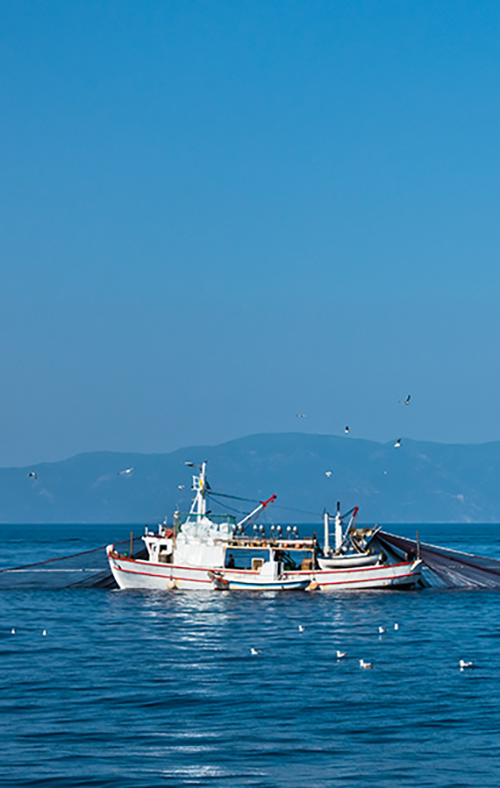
<point x="452" y="568"/>
<point x="88" y="569"/>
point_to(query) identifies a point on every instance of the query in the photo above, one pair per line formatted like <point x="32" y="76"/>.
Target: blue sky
<point x="216" y="215"/>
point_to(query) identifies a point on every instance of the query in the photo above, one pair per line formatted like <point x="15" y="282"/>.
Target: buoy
<point x="312" y="586"/>
<point x="171" y="585"/>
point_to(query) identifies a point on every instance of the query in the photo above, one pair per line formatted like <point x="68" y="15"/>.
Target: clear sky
<point x="216" y="215"/>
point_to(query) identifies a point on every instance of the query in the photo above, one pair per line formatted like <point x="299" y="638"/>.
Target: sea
<point x="134" y="689"/>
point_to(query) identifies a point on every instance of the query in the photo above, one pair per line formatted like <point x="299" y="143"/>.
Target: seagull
<point x="180" y="486"/>
<point x="341" y="654"/>
<point x="463" y="664"/>
<point x="301" y="628"/>
<point x="328" y="473"/>
<point x="406" y="401"/>
<point x="12" y="631"/>
<point x="396" y="627"/>
<point x="365" y="665"/>
<point x="397" y="445"/>
<point x="255" y="652"/>
<point x="301" y="415"/>
<point x="347" y="430"/>
<point x="126" y="471"/>
<point x="381" y="630"/>
<point x="32" y="474"/>
<point x="44" y="632"/>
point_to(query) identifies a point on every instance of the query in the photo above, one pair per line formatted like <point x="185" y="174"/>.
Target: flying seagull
<point x="406" y="401"/>
<point x="181" y="486"/>
<point x="328" y="473"/>
<point x="347" y="430"/>
<point x="32" y="474"/>
<point x="126" y="471"/>
<point x="397" y="445"/>
<point x="301" y="415"/>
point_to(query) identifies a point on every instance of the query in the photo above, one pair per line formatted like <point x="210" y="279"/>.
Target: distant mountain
<point x="416" y="483"/>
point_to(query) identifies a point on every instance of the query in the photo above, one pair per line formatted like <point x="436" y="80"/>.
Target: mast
<point x="326" y="521"/>
<point x="200" y="485"/>
<point x="338" y="528"/>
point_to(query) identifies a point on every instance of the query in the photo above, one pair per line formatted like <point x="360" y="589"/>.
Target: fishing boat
<point x="202" y="550"/>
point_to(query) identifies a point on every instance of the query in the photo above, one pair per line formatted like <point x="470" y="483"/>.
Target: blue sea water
<point x="146" y="689"/>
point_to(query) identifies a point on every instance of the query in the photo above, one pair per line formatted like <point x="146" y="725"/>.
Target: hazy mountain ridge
<point x="419" y="482"/>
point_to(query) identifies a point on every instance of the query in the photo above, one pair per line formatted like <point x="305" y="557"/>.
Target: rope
<point x="302" y="511"/>
<point x="234" y="497"/>
<point x="63" y="557"/>
<point x="231" y="508"/>
<point x="253" y="500"/>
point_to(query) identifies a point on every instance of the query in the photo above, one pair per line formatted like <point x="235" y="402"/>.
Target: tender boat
<point x="206" y="551"/>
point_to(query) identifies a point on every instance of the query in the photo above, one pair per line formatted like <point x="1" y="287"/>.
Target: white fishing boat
<point x="203" y="550"/>
<point x="206" y="551"/>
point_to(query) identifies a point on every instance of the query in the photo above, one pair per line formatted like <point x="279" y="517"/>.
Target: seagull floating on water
<point x="302" y="628"/>
<point x="255" y="651"/>
<point x="32" y="474"/>
<point x="180" y="486"/>
<point x="126" y="471"/>
<point x="12" y="631"/>
<point x="463" y="664"/>
<point x="44" y="632"/>
<point x="328" y="473"/>
<point x="365" y="665"/>
<point x="397" y="445"/>
<point x="396" y="627"/>
<point x="341" y="654"/>
<point x="381" y="630"/>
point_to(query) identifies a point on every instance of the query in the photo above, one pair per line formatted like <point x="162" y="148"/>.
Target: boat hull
<point x="406" y="574"/>
<point x="135" y="573"/>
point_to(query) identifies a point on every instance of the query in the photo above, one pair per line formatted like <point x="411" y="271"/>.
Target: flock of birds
<point x="463" y="664"/>
<point x="347" y="429"/>
<point x="128" y="471"/>
<point x="255" y="652"/>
